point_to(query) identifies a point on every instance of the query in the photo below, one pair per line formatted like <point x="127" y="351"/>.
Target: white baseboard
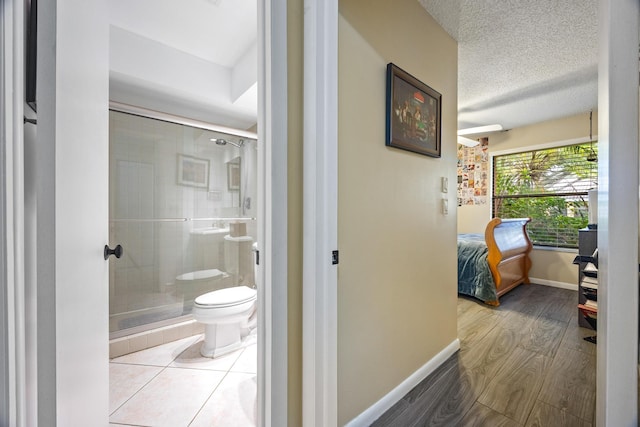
<point x="383" y="405"/>
<point x="553" y="283"/>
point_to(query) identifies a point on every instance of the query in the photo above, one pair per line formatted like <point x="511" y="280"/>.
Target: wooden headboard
<point x="508" y="257"/>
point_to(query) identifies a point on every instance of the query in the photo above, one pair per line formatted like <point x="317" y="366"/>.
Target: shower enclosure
<point x="182" y="203"/>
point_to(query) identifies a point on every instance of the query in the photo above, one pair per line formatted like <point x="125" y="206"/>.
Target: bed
<point x="493" y="264"/>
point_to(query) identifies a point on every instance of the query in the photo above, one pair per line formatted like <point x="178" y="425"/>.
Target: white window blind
<point x="551" y="187"/>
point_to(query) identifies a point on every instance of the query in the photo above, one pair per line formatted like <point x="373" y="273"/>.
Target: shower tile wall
<point x="144" y="186"/>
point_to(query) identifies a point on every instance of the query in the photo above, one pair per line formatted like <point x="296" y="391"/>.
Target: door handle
<point x="117" y="251"/>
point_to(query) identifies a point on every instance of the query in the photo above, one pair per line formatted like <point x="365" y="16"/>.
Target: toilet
<point x="229" y="315"/>
<point x="189" y="285"/>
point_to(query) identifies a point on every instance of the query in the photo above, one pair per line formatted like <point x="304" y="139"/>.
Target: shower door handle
<point x="118" y="251"/>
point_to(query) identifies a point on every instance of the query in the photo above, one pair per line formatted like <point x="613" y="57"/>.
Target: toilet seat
<point x="227" y="297"/>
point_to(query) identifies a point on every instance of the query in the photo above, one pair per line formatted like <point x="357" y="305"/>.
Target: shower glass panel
<point x="182" y="203"/>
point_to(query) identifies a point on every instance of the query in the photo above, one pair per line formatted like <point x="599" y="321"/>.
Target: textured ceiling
<point x="521" y="62"/>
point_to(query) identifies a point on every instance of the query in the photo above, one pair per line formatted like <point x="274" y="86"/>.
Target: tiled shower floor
<point x="172" y="385"/>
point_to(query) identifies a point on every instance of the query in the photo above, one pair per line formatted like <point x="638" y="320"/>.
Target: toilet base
<point x="219" y="351"/>
<point x="220" y="339"/>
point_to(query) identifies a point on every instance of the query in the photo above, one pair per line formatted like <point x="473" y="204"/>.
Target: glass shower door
<point x="181" y="205"/>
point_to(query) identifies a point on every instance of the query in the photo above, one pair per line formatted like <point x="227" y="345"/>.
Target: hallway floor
<point x="173" y="385"/>
<point x="524" y="363"/>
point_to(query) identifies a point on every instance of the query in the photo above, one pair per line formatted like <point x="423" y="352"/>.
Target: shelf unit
<point x="587" y="311"/>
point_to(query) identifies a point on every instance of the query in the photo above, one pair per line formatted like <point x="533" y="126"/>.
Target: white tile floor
<point x="172" y="385"/>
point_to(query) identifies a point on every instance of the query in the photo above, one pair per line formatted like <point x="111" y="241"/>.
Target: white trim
<point x="617" y="352"/>
<point x="554" y="284"/>
<point x="546" y="145"/>
<point x="13" y="405"/>
<point x="320" y="207"/>
<point x="375" y="411"/>
<point x="7" y="340"/>
<point x="273" y="392"/>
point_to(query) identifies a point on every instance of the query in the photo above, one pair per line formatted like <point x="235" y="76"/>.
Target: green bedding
<point x="474" y="275"/>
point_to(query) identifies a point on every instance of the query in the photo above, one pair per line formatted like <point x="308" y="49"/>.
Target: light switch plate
<point x="444" y="183"/>
<point x="445" y="206"/>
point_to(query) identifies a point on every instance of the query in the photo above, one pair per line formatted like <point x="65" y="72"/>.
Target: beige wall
<point x="397" y="273"/>
<point x="555" y="266"/>
<point x="563" y="129"/>
<point x="295" y="21"/>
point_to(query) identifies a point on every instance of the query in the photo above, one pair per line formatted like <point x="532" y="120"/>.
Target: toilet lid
<point x="227" y="297"/>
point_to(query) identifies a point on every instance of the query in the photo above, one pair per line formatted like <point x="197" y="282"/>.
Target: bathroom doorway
<point x="197" y="62"/>
<point x="68" y="173"/>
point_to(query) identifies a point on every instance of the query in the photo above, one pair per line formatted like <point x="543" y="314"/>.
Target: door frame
<point x="273" y="395"/>
<point x="320" y="215"/>
<point x="13" y="400"/>
<point x="617" y="352"/>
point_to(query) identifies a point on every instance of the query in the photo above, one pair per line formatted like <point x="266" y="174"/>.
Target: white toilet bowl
<point x="228" y="315"/>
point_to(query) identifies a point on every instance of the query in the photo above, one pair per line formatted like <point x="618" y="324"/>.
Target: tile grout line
<point x="140" y="389"/>
<point x="216" y="388"/>
<point x="223" y="372"/>
<point x="151" y="379"/>
<point x="207" y="399"/>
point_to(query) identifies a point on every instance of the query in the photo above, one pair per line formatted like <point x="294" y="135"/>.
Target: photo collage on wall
<point x="473" y="174"/>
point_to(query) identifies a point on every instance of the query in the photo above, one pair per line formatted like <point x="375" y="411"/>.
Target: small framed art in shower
<point x="233" y="174"/>
<point x="193" y="171"/>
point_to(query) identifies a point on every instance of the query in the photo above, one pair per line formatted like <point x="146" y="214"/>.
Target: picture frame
<point x="233" y="174"/>
<point x="193" y="171"/>
<point x="413" y="114"/>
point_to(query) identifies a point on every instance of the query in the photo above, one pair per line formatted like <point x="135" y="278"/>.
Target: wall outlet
<point x="445" y="206"/>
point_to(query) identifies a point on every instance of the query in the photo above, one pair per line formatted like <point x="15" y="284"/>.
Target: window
<point x="551" y="187"/>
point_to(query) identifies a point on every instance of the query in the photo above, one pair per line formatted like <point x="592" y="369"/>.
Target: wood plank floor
<point x="524" y="363"/>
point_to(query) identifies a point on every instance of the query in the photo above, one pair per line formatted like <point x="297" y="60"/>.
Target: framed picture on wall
<point x="413" y="114"/>
<point x="193" y="171"/>
<point x="233" y="174"/>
